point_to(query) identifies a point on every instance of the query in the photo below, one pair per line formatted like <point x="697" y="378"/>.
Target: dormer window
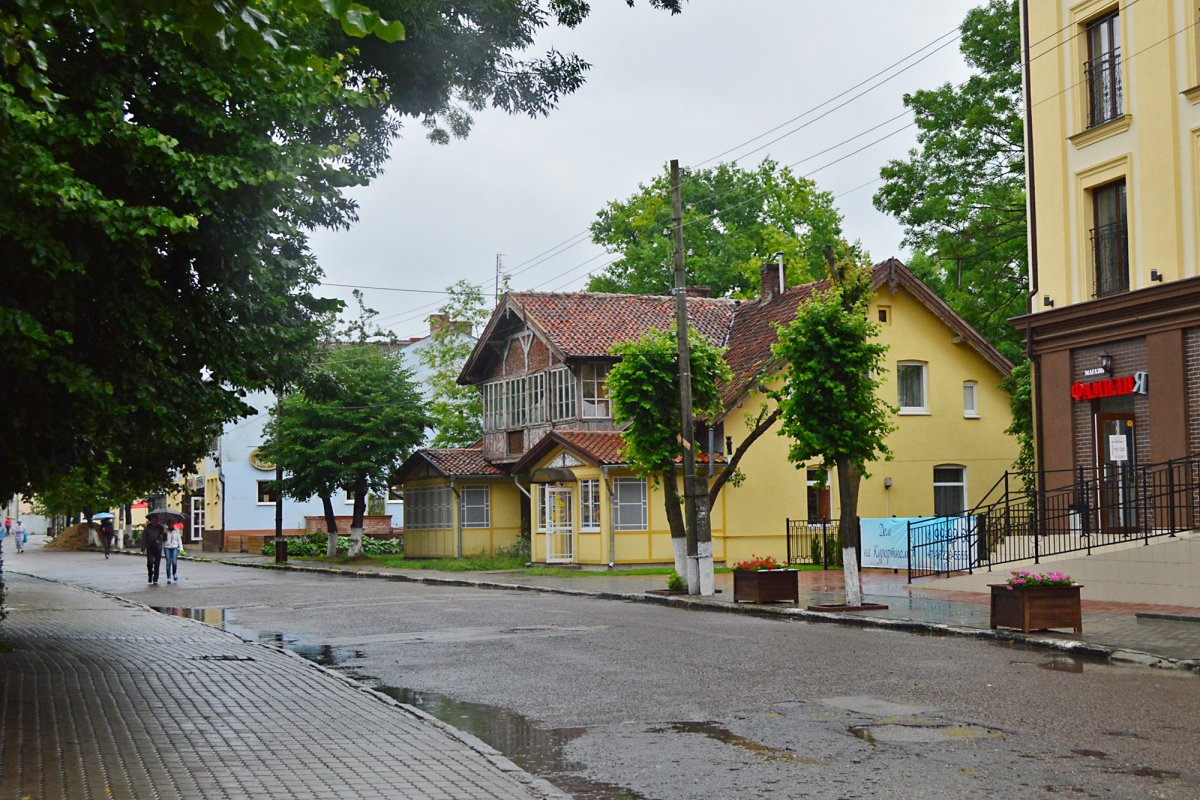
<point x="596" y="404"/>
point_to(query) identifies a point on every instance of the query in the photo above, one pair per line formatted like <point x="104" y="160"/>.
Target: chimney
<point x="770" y="275"/>
<point x="437" y="322"/>
<point x="699" y="291"/>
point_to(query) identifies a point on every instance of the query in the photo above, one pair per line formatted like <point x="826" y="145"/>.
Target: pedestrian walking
<point x="152" y="542"/>
<point x="20" y="535"/>
<point x="106" y="535"/>
<point x="7" y="525"/>
<point x="171" y="551"/>
<point x="3" y="536"/>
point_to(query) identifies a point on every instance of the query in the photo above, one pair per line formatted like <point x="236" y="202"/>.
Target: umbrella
<point x="102" y="515"/>
<point x="169" y="513"/>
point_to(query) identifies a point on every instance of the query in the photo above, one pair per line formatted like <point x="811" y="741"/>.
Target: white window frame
<point x="427" y="508"/>
<point x="618" y="504"/>
<point x="564" y="394"/>
<point x="971" y="399"/>
<point x="395" y="494"/>
<point x="537" y="399"/>
<point x="960" y="484"/>
<point x="589" y="505"/>
<point x="259" y="492"/>
<point x="540" y="525"/>
<point x="475" y="497"/>
<point x="594" y="400"/>
<point x="924" y="407"/>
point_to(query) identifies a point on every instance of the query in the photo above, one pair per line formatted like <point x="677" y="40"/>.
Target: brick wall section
<point x="539" y="355"/>
<point x="373" y="525"/>
<point x="1129" y="356"/>
<point x="1191" y="355"/>
<point x="514" y="359"/>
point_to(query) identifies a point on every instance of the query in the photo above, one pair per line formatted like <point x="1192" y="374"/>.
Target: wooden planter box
<point x="1037" y="608"/>
<point x="766" y="585"/>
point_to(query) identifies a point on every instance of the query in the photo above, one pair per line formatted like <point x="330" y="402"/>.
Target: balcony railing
<point x="1103" y="75"/>
<point x="1110" y="259"/>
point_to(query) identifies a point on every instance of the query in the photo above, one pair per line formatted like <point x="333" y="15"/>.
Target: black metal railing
<point x="814" y="542"/>
<point x="1110" y="259"/>
<point x="1103" y="74"/>
<point x="1089" y="509"/>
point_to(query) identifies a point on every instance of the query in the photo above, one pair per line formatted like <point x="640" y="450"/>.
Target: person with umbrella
<point x="152" y="543"/>
<point x="106" y="531"/>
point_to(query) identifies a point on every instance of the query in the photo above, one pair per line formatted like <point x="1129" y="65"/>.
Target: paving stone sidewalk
<point x="101" y="699"/>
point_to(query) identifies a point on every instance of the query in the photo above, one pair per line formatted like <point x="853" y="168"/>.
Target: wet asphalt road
<point x="623" y="700"/>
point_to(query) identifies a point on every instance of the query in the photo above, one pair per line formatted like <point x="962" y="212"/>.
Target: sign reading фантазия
<point x="1110" y="387"/>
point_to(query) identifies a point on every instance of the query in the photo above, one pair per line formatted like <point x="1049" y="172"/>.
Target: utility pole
<point x="499" y="264"/>
<point x="280" y="544"/>
<point x="699" y="530"/>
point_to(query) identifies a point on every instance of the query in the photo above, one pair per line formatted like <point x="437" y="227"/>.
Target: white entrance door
<point x="560" y="528"/>
<point x="195" y="532"/>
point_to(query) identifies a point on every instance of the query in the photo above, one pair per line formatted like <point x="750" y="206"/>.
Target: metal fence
<point x="814" y="542"/>
<point x="1109" y="505"/>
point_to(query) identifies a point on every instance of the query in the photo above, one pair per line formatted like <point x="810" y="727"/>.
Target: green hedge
<point x="315" y="544"/>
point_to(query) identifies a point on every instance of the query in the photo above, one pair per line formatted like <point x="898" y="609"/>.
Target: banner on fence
<point x="885" y="544"/>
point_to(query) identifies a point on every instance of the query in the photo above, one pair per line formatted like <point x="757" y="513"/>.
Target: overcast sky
<point x="689" y="87"/>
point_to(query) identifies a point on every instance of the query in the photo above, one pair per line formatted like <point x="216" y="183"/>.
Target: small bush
<point x="316" y="544"/>
<point x="675" y="583"/>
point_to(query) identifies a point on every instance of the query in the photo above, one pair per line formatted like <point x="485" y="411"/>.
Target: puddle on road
<point x="1073" y="665"/>
<point x="714" y="731"/>
<point x="538" y="751"/>
<point x="920" y="734"/>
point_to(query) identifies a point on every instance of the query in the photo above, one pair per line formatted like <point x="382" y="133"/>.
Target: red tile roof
<point x="602" y="447"/>
<point x="452" y="461"/>
<point x="588" y="324"/>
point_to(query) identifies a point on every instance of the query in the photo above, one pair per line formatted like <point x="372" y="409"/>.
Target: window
<point x="427" y="508"/>
<point x="949" y="490"/>
<point x="1110" y="240"/>
<point x="474" y="510"/>
<point x="537" y="398"/>
<point x="562" y="393"/>
<point x="395" y="494"/>
<point x="595" y="393"/>
<point x="493" y="406"/>
<point x="514" y="403"/>
<point x="910" y="377"/>
<point x="629" y="504"/>
<point x="1103" y="70"/>
<point x="266" y="496"/>
<point x="885" y="313"/>
<point x="589" y="504"/>
<point x="970" y="399"/>
<point x="543" y="509"/>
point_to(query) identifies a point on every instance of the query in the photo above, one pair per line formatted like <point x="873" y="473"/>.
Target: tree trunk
<point x="849" y="477"/>
<point x="330" y="526"/>
<point x="356" y="522"/>
<point x="704" y="561"/>
<point x="675" y="520"/>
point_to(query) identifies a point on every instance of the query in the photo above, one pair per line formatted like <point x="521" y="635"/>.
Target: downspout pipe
<point x="612" y="533"/>
<point x="1031" y="213"/>
<point x="455" y="512"/>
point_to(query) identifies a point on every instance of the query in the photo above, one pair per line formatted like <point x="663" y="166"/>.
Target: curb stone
<point x="1088" y="650"/>
<point x="539" y="786"/>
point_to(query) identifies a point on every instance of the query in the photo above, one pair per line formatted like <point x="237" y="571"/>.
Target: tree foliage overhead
<point x="163" y="163"/>
<point x="734" y="219"/>
<point x="960" y="193"/>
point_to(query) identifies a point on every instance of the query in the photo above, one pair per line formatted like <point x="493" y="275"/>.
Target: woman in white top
<point x="171" y="550"/>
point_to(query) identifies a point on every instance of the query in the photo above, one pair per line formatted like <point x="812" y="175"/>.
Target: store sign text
<point x="1112" y="387"/>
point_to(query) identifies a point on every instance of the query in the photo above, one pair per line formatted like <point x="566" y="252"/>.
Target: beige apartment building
<point x="1113" y="96"/>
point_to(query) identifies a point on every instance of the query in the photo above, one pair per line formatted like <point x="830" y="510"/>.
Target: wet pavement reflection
<point x="538" y="751"/>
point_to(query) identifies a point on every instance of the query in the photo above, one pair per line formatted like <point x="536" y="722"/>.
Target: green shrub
<point x="675" y="583"/>
<point x="316" y="543"/>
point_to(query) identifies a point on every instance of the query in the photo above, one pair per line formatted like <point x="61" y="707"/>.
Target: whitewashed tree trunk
<point x="849" y="478"/>
<point x="356" y="545"/>
<point x="679" y="548"/>
<point x="850" y="574"/>
<point x="356" y="522"/>
<point x="704" y="564"/>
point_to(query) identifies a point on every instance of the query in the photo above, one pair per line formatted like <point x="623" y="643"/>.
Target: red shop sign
<point x="1110" y="387"/>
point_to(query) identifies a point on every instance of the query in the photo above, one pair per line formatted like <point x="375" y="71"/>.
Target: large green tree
<point x="163" y="164"/>
<point x="734" y="219"/>
<point x="830" y="402"/>
<point x="644" y="387"/>
<point x="352" y="424"/>
<point x="960" y="193"/>
<point x="456" y="411"/>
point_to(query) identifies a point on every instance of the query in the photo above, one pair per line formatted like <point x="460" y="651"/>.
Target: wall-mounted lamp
<point x="1105" y="363"/>
<point x="887" y="483"/>
<point x="1047" y="301"/>
<point x="1155" y="276"/>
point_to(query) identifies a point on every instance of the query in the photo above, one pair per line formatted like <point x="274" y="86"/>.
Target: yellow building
<point x="1113" y="138"/>
<point x="550" y="438"/>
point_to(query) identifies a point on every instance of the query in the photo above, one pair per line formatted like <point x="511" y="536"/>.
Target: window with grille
<point x="427" y="508"/>
<point x="910" y="378"/>
<point x="589" y="504"/>
<point x="1110" y="240"/>
<point x="562" y="388"/>
<point x="629" y="504"/>
<point x="949" y="490"/>
<point x="1102" y="72"/>
<point x="474" y="507"/>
